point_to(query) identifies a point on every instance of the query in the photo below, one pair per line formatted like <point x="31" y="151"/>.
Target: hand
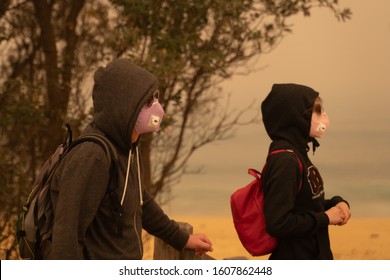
<point x="343" y="206"/>
<point x="200" y="243"/>
<point x="335" y="215"/>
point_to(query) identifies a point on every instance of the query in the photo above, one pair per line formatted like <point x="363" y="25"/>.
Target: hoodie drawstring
<point x="141" y="200"/>
<point x="127" y="178"/>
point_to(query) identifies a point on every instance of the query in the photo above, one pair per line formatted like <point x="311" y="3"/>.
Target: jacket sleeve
<point x="281" y="185"/>
<point x="157" y="223"/>
<point x="82" y="186"/>
<point x="329" y="203"/>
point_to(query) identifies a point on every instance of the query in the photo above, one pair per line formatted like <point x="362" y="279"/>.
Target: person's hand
<point x="335" y="215"/>
<point x="343" y="206"/>
<point x="200" y="243"/>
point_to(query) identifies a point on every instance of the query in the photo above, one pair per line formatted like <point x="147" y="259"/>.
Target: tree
<point x="48" y="48"/>
<point x="45" y="47"/>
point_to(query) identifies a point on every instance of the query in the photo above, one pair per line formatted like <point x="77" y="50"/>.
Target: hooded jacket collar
<point x="287" y="112"/>
<point x="120" y="90"/>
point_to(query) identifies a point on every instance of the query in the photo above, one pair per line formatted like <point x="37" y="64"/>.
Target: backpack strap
<point x="113" y="157"/>
<point x="111" y="152"/>
<point x="68" y="137"/>
<point x="299" y="162"/>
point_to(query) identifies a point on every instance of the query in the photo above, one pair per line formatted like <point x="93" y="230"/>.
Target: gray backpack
<point x="35" y="222"/>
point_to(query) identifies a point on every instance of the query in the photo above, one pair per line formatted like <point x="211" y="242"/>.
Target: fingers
<point x="345" y="219"/>
<point x="339" y="214"/>
<point x="200" y="243"/>
<point x="205" y="239"/>
<point x="200" y="252"/>
<point x="206" y="245"/>
<point x="346" y="212"/>
<point x="335" y="216"/>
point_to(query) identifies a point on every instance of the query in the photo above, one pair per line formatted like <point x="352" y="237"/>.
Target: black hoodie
<point x="84" y="225"/>
<point x="296" y="217"/>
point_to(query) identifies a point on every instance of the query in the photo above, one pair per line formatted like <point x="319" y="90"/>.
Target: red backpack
<point x="248" y="216"/>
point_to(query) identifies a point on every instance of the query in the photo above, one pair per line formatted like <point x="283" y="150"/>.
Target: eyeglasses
<point x="318" y="109"/>
<point x="153" y="97"/>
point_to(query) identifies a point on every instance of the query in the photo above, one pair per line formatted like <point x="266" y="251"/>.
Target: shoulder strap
<point x="112" y="157"/>
<point x="299" y="161"/>
<point x="106" y="144"/>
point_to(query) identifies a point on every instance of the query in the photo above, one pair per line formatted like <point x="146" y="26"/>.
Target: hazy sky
<point x="349" y="64"/>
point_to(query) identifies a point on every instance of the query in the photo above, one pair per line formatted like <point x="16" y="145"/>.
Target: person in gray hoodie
<point x="125" y="106"/>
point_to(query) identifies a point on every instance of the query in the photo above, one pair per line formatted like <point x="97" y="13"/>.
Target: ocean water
<point x="208" y="195"/>
<point x="352" y="166"/>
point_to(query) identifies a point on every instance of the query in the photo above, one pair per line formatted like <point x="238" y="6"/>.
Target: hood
<point x="287" y="112"/>
<point x="120" y="90"/>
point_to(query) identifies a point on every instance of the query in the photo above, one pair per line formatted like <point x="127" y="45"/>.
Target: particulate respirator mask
<point x="319" y="125"/>
<point x="150" y="117"/>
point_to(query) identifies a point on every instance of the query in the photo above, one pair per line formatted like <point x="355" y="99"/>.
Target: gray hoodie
<point x="85" y="226"/>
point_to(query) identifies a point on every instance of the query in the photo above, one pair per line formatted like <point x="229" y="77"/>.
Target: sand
<point x="360" y="239"/>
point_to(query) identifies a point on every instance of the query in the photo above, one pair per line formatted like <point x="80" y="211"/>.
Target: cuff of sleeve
<point x="337" y="199"/>
<point x="180" y="240"/>
<point x="323" y="219"/>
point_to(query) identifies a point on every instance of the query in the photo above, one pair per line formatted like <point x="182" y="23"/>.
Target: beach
<point x="360" y="239"/>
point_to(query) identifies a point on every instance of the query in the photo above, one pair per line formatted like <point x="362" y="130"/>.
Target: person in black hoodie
<point x="299" y="217"/>
<point x="125" y="106"/>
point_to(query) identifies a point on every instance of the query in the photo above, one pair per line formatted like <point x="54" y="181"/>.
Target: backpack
<point x="248" y="215"/>
<point x="35" y="222"/>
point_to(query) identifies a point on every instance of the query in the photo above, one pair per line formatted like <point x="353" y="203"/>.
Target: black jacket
<point x="84" y="226"/>
<point x="295" y="216"/>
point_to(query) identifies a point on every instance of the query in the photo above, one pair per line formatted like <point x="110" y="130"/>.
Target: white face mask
<point x="319" y="125"/>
